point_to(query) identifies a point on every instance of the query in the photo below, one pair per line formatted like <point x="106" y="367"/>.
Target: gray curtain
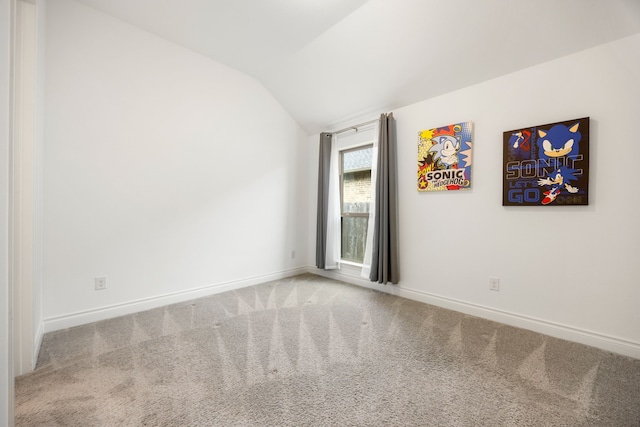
<point x="323" y="198"/>
<point x="384" y="263"/>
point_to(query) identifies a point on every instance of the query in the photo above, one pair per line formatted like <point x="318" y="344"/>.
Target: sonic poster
<point x="444" y="158"/>
<point x="547" y="165"/>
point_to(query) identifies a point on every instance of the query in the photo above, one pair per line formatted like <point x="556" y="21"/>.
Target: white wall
<point x="566" y="271"/>
<point x="27" y="144"/>
<point x="6" y="327"/>
<point x="164" y="171"/>
<point x="38" y="327"/>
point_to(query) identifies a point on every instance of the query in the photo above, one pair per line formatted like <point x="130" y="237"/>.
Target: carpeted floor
<point x="309" y="351"/>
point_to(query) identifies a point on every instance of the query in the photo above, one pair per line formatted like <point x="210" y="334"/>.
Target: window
<point x="355" y="201"/>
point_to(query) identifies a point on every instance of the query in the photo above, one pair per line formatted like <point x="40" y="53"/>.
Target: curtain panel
<point x="323" y="199"/>
<point x="333" y="256"/>
<point x="384" y="262"/>
<point x="368" y="249"/>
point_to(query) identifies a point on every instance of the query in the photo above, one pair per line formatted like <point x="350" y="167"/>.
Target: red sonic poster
<point x="547" y="165"/>
<point x="444" y="158"/>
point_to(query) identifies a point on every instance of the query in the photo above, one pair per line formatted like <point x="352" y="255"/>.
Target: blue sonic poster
<point x="547" y="165"/>
<point x="444" y="158"/>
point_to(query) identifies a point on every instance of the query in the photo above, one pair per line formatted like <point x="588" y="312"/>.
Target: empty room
<point x="305" y="212"/>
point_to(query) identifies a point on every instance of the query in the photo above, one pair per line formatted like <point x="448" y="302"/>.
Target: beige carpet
<point x="308" y="351"/>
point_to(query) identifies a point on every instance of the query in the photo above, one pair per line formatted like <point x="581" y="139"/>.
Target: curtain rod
<point x="356" y="127"/>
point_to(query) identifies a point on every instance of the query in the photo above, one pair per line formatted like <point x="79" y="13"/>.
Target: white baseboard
<point x="108" y="312"/>
<point x="349" y="275"/>
<point x="569" y="333"/>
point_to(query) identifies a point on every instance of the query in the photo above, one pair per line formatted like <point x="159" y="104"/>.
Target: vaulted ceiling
<point x="327" y="61"/>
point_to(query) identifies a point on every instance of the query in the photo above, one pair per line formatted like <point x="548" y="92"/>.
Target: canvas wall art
<point x="547" y="165"/>
<point x="444" y="158"/>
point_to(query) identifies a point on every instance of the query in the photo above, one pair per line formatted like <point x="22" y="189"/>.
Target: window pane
<point x="354" y="160"/>
<point x="356" y="191"/>
<point x="354" y="238"/>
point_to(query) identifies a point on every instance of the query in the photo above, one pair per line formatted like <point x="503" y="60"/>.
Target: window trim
<point x="344" y="214"/>
<point x="341" y="180"/>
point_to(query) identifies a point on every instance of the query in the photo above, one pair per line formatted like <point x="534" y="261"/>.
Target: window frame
<point x="344" y="214"/>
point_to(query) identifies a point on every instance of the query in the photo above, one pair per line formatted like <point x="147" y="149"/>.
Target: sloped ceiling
<point x="327" y="61"/>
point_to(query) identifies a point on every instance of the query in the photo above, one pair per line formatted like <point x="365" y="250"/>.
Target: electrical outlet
<point x="100" y="283"/>
<point x="494" y="283"/>
<point x="293" y="254"/>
